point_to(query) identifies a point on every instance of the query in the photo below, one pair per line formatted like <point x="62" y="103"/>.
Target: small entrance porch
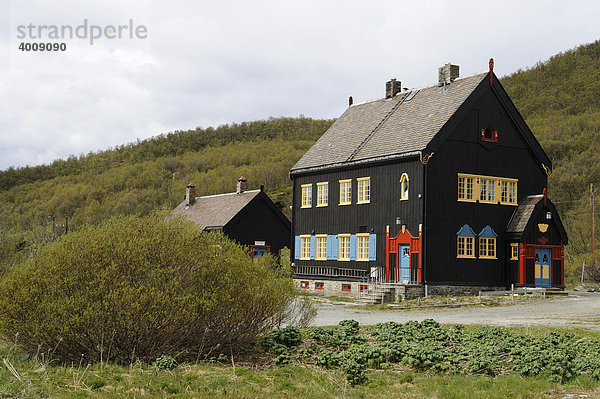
<point x="404" y="257"/>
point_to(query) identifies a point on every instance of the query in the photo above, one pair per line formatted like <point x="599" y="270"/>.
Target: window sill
<point x="514" y="258"/>
<point x="364" y="202"/>
<point x="465" y="257"/>
<point x="345" y="203"/>
<point x="488" y="257"/>
<point x="362" y="260"/>
<point x="508" y="203"/>
<point x="320" y="258"/>
<point x="466" y="200"/>
<point x="305" y="207"/>
<point x="304" y="259"/>
<point x="488" y="202"/>
<point x="321" y="206"/>
<point x="344" y="260"/>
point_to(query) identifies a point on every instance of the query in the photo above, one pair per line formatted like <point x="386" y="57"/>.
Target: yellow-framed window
<point x="321" y="247"/>
<point x="465" y="247"/>
<point x="508" y="192"/>
<point x="487" y="248"/>
<point x="466" y="188"/>
<point x="344" y="247"/>
<point x="305" y="247"/>
<point x="306" y="196"/>
<point x="404" y="181"/>
<point x="362" y="247"/>
<point x="322" y="193"/>
<point x="346" y="192"/>
<point x="512" y="192"/>
<point x="487" y="190"/>
<point x="514" y="251"/>
<point x="364" y="190"/>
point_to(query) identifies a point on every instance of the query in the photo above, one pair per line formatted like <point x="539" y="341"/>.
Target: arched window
<point x="404" y="187"/>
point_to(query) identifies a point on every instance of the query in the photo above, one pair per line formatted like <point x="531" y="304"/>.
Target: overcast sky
<point x="205" y="63"/>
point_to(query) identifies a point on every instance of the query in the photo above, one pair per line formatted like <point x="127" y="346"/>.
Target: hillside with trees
<point x="559" y="98"/>
<point x="39" y="204"/>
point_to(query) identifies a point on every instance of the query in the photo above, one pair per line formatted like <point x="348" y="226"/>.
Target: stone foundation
<point x="399" y="293"/>
<point x="330" y="288"/>
<point x="409" y="292"/>
<point x="460" y="290"/>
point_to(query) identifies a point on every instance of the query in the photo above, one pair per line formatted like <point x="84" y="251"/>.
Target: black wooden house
<point x="443" y="186"/>
<point x="246" y="216"/>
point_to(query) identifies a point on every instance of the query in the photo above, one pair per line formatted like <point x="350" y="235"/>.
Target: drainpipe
<point x="424" y="232"/>
<point x="292" y="238"/>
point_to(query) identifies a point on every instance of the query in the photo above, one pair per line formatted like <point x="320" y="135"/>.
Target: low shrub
<point x="136" y="288"/>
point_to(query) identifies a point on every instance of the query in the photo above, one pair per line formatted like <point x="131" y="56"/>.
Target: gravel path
<point x="571" y="311"/>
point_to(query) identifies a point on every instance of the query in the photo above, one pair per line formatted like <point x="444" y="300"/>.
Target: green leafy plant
<point x="165" y="362"/>
<point x="288" y="336"/>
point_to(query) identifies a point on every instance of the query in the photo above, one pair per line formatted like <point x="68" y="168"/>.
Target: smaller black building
<point x="537" y="238"/>
<point x="248" y="217"/>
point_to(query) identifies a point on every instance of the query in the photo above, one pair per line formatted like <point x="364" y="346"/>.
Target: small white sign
<point x="259" y="242"/>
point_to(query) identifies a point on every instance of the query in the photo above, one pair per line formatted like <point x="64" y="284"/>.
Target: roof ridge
<point x="223" y="194"/>
<point x="356" y="104"/>
<point x="381" y="122"/>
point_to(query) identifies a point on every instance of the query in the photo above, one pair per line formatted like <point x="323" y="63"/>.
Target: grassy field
<point x="22" y="376"/>
<point x="439" y="300"/>
<point x="295" y="381"/>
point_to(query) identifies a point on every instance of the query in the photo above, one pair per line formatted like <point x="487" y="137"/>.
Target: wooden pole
<point x="592" y="214"/>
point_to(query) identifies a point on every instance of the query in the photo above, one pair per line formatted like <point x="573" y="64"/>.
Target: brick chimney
<point x="447" y="74"/>
<point x="190" y="194"/>
<point x="392" y="88"/>
<point x="242" y="185"/>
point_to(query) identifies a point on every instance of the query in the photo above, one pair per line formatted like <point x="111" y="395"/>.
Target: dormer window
<point x="465" y="242"/>
<point x="489" y="134"/>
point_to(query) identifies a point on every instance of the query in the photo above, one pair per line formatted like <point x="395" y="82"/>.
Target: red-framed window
<point x="319" y="285"/>
<point x="489" y="134"/>
<point x="346" y="287"/>
<point x="304" y="284"/>
<point x="363" y="287"/>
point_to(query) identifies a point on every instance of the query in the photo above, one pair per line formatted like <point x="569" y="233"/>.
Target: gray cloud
<point x="207" y="63"/>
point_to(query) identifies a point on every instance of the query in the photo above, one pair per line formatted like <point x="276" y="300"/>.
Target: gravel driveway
<point x="571" y="311"/>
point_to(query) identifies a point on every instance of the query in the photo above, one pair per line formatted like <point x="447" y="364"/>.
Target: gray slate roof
<point x="522" y="214"/>
<point x="389" y="126"/>
<point x="214" y="211"/>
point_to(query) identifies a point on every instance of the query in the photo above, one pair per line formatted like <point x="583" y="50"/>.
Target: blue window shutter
<point x="332" y="247"/>
<point x="353" y="247"/>
<point x="313" y="247"/>
<point x="372" y="246"/>
<point x="297" y="248"/>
